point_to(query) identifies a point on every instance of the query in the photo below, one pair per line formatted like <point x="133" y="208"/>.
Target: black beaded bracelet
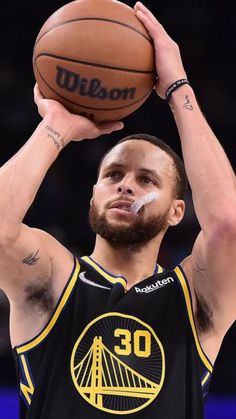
<point x="174" y="87"/>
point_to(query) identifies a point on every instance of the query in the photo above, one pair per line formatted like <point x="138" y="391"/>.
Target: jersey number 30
<point x="140" y="341"/>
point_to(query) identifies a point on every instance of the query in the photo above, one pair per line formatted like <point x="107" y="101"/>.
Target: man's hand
<point x="169" y="66"/>
<point x="79" y="127"/>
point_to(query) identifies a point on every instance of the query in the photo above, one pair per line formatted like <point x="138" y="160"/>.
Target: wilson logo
<point x="73" y="82"/>
<point x="157" y="285"/>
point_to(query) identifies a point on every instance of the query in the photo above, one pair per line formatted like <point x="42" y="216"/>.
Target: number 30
<point x="125" y="341"/>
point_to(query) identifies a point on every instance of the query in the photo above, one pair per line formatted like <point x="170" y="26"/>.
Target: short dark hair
<point x="181" y="181"/>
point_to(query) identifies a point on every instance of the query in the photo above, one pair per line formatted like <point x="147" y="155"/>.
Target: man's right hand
<point x="79" y="127"/>
<point x="169" y="66"/>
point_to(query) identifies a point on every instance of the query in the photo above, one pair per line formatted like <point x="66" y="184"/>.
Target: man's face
<point x="132" y="170"/>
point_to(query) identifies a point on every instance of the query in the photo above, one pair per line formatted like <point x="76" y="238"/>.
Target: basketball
<point x="96" y="58"/>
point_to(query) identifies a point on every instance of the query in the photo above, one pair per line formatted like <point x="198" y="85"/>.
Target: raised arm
<point x="211" y="269"/>
<point x="27" y="254"/>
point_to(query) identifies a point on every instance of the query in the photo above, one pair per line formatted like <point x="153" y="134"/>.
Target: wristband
<point x="174" y="87"/>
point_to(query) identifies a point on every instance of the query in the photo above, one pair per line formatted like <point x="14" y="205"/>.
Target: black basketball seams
<point x="95" y="18"/>
<point x="72" y="60"/>
<point x="90" y="107"/>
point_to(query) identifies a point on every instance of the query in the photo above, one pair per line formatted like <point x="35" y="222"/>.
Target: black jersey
<point x="107" y="352"/>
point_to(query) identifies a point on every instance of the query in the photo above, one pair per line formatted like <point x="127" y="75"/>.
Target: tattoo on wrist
<point x="31" y="259"/>
<point x="56" y="137"/>
<point x="187" y="105"/>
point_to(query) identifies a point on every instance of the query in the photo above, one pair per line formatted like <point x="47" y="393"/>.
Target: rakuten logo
<point x="157" y="285"/>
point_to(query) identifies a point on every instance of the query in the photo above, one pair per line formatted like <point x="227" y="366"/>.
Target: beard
<point x="132" y="236"/>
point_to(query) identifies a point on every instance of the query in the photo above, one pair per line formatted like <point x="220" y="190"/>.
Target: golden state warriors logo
<point x="118" y="364"/>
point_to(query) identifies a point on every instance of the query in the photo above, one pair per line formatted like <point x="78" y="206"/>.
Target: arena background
<point x="205" y="32"/>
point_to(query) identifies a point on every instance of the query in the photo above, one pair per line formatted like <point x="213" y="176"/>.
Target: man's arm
<point x="212" y="265"/>
<point x="27" y="254"/>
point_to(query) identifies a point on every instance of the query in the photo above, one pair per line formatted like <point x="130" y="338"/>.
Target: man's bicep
<point x="23" y="261"/>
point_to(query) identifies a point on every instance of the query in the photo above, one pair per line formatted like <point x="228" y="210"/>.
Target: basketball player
<point x="114" y="333"/>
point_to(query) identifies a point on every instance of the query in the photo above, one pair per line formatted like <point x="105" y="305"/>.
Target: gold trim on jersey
<point x="101" y="271"/>
<point x="205" y="378"/>
<point x="160" y="269"/>
<point x="187" y="297"/>
<point x="27" y="389"/>
<point x="111" y="278"/>
<point x="62" y="302"/>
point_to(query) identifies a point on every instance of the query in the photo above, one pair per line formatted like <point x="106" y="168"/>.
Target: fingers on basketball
<point x="150" y="21"/>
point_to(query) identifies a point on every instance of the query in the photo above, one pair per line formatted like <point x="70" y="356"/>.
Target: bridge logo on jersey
<point x="118" y="364"/>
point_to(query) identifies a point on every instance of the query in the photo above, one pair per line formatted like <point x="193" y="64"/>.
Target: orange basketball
<point x="96" y="58"/>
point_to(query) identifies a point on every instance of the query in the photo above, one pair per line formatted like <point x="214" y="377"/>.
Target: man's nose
<point x="125" y="188"/>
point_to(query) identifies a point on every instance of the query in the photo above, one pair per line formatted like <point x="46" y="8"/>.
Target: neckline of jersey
<point x="112" y="278"/>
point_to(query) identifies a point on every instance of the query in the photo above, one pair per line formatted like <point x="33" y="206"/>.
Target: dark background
<point x="205" y="32"/>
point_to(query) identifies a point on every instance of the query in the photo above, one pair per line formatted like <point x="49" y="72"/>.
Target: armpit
<point x="203" y="315"/>
<point x="39" y="296"/>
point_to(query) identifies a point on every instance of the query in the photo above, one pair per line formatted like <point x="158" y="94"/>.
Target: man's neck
<point x="133" y="265"/>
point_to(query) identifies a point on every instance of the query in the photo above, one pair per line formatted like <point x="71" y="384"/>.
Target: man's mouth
<point x="122" y="205"/>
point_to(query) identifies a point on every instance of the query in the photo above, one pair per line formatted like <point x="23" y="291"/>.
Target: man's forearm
<point x="22" y="175"/>
<point x="210" y="174"/>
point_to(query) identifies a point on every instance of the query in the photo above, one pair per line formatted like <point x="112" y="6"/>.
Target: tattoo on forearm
<point x="55" y="136"/>
<point x="187" y="105"/>
<point x="31" y="259"/>
<point x="200" y="270"/>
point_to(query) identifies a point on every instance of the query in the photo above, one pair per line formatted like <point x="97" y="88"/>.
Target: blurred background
<point x="205" y="31"/>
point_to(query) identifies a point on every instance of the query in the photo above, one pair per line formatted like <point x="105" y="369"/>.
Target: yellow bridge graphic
<point x="101" y="373"/>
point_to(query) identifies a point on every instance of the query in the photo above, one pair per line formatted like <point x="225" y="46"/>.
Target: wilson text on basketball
<point x="73" y="82"/>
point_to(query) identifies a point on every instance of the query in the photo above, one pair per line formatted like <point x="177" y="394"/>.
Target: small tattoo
<point x="55" y="136"/>
<point x="62" y="142"/>
<point x="50" y="129"/>
<point x="200" y="270"/>
<point x="187" y="104"/>
<point x="50" y="136"/>
<point x="31" y="259"/>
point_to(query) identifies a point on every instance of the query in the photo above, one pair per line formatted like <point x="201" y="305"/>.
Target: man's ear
<point x="91" y="200"/>
<point x="176" y="212"/>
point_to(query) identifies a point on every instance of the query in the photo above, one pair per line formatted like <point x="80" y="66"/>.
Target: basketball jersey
<point x="106" y="351"/>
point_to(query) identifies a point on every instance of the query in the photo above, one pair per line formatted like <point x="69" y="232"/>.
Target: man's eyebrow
<point x="114" y="165"/>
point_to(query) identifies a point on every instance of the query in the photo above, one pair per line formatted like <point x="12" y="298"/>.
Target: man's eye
<point x="146" y="179"/>
<point x="114" y="174"/>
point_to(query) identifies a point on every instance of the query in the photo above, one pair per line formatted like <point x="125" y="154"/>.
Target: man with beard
<point x="114" y="333"/>
<point x="128" y="231"/>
